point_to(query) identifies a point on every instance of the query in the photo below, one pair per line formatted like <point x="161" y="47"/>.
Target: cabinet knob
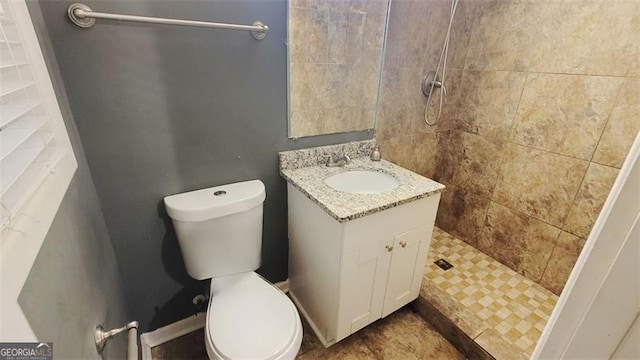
<point x="388" y="247"/>
<point x="403" y="243"/>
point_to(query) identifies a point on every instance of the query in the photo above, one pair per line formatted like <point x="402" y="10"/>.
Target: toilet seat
<point x="249" y="318"/>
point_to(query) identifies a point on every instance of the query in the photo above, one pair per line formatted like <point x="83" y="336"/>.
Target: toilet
<point x="219" y="230"/>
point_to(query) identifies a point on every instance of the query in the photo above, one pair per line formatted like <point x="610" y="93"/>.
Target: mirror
<point x="334" y="64"/>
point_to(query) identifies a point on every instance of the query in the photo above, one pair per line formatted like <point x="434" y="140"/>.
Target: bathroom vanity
<point x="356" y="254"/>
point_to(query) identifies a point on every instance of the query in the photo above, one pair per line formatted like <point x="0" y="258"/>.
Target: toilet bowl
<point x="248" y="318"/>
<point x="219" y="231"/>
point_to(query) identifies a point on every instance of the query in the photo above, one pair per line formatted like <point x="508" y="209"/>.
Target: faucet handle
<point x="329" y="159"/>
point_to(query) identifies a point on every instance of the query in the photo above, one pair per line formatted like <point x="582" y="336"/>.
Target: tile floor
<point x="402" y="335"/>
<point x="499" y="309"/>
<point x="514" y="306"/>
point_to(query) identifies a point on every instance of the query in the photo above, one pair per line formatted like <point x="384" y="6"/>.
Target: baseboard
<point x="283" y="285"/>
<point x="170" y="332"/>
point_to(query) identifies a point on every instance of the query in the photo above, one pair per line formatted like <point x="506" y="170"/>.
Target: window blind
<point x="28" y="149"/>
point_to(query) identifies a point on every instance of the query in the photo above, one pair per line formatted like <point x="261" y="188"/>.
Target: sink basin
<point x="362" y="182"/>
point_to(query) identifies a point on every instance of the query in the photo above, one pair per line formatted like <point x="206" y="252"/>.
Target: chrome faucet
<point x="341" y="161"/>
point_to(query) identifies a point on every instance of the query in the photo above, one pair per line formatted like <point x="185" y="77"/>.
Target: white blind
<point x="28" y="148"/>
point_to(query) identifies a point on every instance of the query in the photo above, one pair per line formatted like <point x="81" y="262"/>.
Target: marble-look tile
<point x="634" y="70"/>
<point x="401" y="101"/>
<point x="435" y="24"/>
<point x="462" y="212"/>
<point x="338" y="87"/>
<point x="362" y="6"/>
<point x="449" y="330"/>
<point x="189" y="346"/>
<point x="297" y="30"/>
<point x="416" y="152"/>
<point x="367" y="68"/>
<point x="352" y="348"/>
<point x="311" y="4"/>
<point x="565" y="114"/>
<point x="309" y="33"/>
<point x="498" y="347"/>
<point x="469" y="161"/>
<point x="561" y="263"/>
<point x="424" y="151"/>
<point x="309" y="122"/>
<point x="518" y="241"/>
<point x="447" y="120"/>
<point x="455" y="311"/>
<point x="346" y="33"/>
<point x="593" y="192"/>
<point x="397" y="150"/>
<point x="405" y="335"/>
<point x="346" y="119"/>
<point x="538" y="183"/>
<point x="538" y="36"/>
<point x="500" y="39"/>
<point x="305" y="122"/>
<point x="296" y="85"/>
<point x="335" y="63"/>
<point x="386" y="339"/>
<point x="488" y="102"/>
<point x="622" y="127"/>
<point x="305" y="92"/>
<point x="406" y="34"/>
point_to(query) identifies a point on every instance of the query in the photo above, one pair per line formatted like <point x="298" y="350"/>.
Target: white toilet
<point x="220" y="235"/>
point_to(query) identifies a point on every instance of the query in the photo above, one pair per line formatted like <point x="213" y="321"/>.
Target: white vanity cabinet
<point x="345" y="275"/>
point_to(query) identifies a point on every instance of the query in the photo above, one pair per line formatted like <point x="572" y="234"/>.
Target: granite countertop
<point x="344" y="206"/>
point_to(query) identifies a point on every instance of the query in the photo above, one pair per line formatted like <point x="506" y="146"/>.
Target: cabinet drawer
<point x="384" y="225"/>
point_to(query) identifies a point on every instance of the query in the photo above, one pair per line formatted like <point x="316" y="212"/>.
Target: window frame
<point x="21" y="241"/>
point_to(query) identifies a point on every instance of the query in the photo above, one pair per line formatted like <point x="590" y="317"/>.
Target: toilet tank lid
<point x="215" y="202"/>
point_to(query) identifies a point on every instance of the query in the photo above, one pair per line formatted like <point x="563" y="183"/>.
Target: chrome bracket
<point x="259" y="35"/>
<point x="101" y="337"/>
<point x="75" y="12"/>
<point x="430" y="81"/>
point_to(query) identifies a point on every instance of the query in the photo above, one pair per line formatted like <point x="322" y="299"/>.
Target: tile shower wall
<point x="415" y="33"/>
<point x="543" y="106"/>
<point x="335" y="59"/>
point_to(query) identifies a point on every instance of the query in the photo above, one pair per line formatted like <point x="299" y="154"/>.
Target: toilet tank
<point x="219" y="229"/>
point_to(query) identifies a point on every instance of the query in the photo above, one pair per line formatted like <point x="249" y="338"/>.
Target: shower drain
<point x="443" y="264"/>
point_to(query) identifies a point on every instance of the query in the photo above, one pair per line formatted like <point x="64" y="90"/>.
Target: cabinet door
<point x="405" y="272"/>
<point x="362" y="287"/>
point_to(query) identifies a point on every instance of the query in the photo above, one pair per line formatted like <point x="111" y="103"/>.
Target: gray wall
<point x="74" y="283"/>
<point x="162" y="110"/>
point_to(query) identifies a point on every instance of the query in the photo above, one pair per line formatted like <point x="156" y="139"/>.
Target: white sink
<point x="362" y="182"/>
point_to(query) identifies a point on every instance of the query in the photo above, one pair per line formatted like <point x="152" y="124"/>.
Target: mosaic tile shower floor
<point x="516" y="307"/>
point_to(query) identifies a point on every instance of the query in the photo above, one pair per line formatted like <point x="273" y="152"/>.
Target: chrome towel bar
<point x="101" y="337"/>
<point x="83" y="16"/>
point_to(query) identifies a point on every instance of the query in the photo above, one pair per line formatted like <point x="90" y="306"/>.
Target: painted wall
<point x="162" y="110"/>
<point x="75" y="283"/>
<point x="542" y="110"/>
